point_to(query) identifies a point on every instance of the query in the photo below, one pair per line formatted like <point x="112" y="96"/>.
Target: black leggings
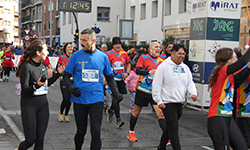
<point x="81" y="113"/>
<point x="225" y="133"/>
<point x="172" y="113"/>
<point x="65" y="104"/>
<point x="35" y="118"/>
<point x="7" y="71"/>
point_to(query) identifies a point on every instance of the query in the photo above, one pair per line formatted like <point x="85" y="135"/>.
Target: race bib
<point x="118" y="65"/>
<point x="178" y="70"/>
<point x="7" y="58"/>
<point x="42" y="90"/>
<point x="151" y="76"/>
<point x="89" y="75"/>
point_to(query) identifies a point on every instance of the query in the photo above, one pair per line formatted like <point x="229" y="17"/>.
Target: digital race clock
<point x="74" y="5"/>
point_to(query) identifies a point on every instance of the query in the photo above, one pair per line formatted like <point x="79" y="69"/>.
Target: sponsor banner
<point x="198" y="8"/>
<point x="224" y="8"/>
<point x="213" y="46"/>
<point x="223" y="29"/>
<point x="197" y="50"/>
<point x="198" y="28"/>
<point x="203" y="96"/>
<point x="197" y="70"/>
<point x="209" y="66"/>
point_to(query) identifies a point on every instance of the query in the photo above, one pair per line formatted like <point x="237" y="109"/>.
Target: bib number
<point x="90" y="75"/>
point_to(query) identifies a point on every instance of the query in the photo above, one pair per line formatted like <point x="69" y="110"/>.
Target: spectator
<point x="19" y="50"/>
<point x="237" y="50"/>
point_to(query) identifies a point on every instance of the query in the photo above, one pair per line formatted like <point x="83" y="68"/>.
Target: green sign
<point x="198" y="28"/>
<point x="74" y="6"/>
<point x="223" y="29"/>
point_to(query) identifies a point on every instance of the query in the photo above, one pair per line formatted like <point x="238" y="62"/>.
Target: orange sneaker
<point x="131" y="137"/>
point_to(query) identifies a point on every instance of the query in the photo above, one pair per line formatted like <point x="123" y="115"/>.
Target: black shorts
<point x="121" y="87"/>
<point x="142" y="99"/>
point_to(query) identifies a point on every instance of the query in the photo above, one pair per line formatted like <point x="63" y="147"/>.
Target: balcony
<point x="1" y="4"/>
<point x="8" y="17"/>
<point x="27" y="19"/>
<point x="16" y="24"/>
<point x="36" y="2"/>
<point x="15" y="33"/>
<point x="1" y="27"/>
<point x="38" y="18"/>
<point x="7" y="6"/>
<point x="57" y="31"/>
<point x="27" y="4"/>
<point x="4" y="40"/>
<point x="7" y="29"/>
<point x="1" y="16"/>
<point x="57" y="14"/>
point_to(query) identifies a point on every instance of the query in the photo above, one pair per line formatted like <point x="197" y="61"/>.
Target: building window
<point x="44" y="26"/>
<point x="44" y="7"/>
<point x="49" y="6"/>
<point x="103" y="13"/>
<point x="154" y="9"/>
<point x="64" y="18"/>
<point x="182" y="6"/>
<point x="69" y="17"/>
<point x="143" y="11"/>
<point x="167" y="10"/>
<point x="50" y="25"/>
<point x="132" y="12"/>
<point x="39" y="28"/>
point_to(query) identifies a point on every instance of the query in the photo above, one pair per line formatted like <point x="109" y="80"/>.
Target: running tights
<point x="95" y="112"/>
<point x="35" y="117"/>
<point x="224" y="133"/>
<point x="65" y="104"/>
<point x="7" y="71"/>
<point x="172" y="113"/>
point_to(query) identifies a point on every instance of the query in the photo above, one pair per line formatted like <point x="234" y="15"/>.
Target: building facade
<point x="8" y="22"/>
<point x="35" y="16"/>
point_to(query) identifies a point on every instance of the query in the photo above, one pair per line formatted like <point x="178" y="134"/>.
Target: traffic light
<point x="76" y="38"/>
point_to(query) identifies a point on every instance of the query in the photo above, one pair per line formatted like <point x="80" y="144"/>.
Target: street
<point x="59" y="135"/>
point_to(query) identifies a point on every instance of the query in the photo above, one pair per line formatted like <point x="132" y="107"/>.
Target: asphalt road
<point x="59" y="136"/>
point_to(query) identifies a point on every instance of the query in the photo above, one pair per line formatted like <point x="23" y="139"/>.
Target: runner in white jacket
<point x="171" y="81"/>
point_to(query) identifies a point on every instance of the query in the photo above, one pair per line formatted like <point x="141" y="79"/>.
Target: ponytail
<point x="23" y="60"/>
<point x="213" y="76"/>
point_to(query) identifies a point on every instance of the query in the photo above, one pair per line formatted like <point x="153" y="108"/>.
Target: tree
<point x="169" y="38"/>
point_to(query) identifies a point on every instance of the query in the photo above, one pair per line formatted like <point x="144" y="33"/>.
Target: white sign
<point x="196" y="50"/>
<point x="27" y="37"/>
<point x="27" y="31"/>
<point x="198" y="8"/>
<point x="224" y="9"/>
<point x="35" y="36"/>
<point x="213" y="46"/>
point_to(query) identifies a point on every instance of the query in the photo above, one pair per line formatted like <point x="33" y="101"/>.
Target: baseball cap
<point x="104" y="45"/>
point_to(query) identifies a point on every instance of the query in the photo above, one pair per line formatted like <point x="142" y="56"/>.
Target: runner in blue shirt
<point x="88" y="67"/>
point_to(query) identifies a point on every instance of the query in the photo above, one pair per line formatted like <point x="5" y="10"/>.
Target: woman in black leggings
<point x="34" y="104"/>
<point x="65" y="104"/>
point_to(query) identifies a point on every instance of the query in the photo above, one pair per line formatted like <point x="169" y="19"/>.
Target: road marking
<point x="206" y="147"/>
<point x="13" y="126"/>
<point x="2" y="131"/>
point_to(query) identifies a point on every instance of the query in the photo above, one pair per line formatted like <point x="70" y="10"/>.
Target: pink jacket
<point x="131" y="80"/>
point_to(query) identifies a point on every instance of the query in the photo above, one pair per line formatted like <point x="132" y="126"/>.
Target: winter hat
<point x="116" y="40"/>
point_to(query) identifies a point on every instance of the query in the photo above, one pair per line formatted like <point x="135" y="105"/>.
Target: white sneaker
<point x="60" y="117"/>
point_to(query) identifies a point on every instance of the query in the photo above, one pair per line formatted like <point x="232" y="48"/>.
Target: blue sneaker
<point x="120" y="123"/>
<point x="109" y="113"/>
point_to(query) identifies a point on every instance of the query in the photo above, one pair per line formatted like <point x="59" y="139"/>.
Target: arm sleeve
<point x="240" y="77"/>
<point x="157" y="85"/>
<point x="191" y="86"/>
<point x="66" y="80"/>
<point x="24" y="80"/>
<point x="141" y="71"/>
<point x="239" y="64"/>
<point x="112" y="84"/>
<point x="53" y="78"/>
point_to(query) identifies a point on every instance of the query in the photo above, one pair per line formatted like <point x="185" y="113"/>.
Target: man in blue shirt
<point x="88" y="67"/>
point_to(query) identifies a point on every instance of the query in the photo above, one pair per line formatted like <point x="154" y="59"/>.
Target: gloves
<point x="75" y="91"/>
<point x="117" y="98"/>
